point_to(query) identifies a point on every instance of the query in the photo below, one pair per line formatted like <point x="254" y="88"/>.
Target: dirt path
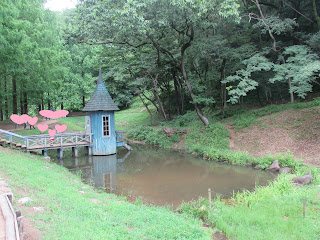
<point x="233" y="136"/>
<point x="9" y="126"/>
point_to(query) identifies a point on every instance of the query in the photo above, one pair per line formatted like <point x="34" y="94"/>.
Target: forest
<point x="175" y="55"/>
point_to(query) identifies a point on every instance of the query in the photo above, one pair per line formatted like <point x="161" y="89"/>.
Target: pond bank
<point x="74" y="210"/>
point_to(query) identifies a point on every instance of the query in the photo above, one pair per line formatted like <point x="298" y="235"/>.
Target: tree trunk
<point x="185" y="76"/>
<point x="25" y="102"/>
<point x="181" y="92"/>
<point x="156" y="94"/>
<point x="175" y="83"/>
<point x="223" y="92"/>
<point x="154" y="104"/>
<point x="1" y="106"/>
<point x="42" y="103"/>
<point x="169" y="97"/>
<point x="49" y="103"/>
<point x="83" y="101"/>
<point x="315" y="13"/>
<point x="291" y="93"/>
<point x="6" y="99"/>
<point x="14" y="96"/>
<point x="21" y="103"/>
<point x="258" y="95"/>
<point x="146" y="106"/>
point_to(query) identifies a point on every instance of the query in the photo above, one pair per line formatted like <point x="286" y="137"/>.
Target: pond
<point x="163" y="177"/>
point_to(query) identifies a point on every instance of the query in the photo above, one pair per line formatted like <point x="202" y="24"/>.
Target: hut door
<point x="88" y="125"/>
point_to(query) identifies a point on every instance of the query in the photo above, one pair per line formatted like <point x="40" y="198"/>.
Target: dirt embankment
<point x="294" y="131"/>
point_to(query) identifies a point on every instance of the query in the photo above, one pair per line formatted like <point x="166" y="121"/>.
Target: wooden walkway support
<point x="44" y="142"/>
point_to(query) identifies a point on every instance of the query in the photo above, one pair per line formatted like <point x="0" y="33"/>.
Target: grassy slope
<point x="72" y="215"/>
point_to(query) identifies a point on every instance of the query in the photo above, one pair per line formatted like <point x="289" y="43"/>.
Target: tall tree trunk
<point x="14" y="96"/>
<point x="181" y="92"/>
<point x="175" y="83"/>
<point x="146" y="106"/>
<point x="83" y="101"/>
<point x="25" y="102"/>
<point x="156" y="94"/>
<point x="258" y="96"/>
<point x="315" y="13"/>
<point x="152" y="101"/>
<point x="167" y="85"/>
<point x="185" y="76"/>
<point x="49" y="103"/>
<point x="6" y="99"/>
<point x="21" y="103"/>
<point x="42" y="103"/>
<point x="291" y="93"/>
<point x="1" y="103"/>
<point x="223" y="92"/>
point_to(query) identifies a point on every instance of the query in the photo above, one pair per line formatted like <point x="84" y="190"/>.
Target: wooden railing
<point x="119" y="136"/>
<point x="59" y="140"/>
<point x="43" y="141"/>
<point x="12" y="138"/>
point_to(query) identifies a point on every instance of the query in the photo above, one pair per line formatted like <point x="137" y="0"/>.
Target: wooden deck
<point x="61" y="141"/>
<point x="41" y="142"/>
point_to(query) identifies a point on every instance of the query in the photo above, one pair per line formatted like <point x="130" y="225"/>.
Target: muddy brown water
<point x="163" y="177"/>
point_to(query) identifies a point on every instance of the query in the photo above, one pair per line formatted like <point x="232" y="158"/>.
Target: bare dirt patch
<point x="294" y="131"/>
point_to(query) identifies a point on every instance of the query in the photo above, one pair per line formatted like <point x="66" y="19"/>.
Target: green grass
<point x="244" y="118"/>
<point x="72" y="215"/>
<point x="136" y="115"/>
<point x="74" y="124"/>
<point x="272" y="212"/>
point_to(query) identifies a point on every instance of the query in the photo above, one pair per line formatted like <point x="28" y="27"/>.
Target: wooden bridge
<point x="61" y="141"/>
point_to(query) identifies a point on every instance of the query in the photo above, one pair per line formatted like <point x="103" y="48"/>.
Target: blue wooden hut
<point x="100" y="121"/>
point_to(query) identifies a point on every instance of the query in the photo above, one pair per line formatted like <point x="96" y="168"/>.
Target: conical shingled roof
<point x="100" y="99"/>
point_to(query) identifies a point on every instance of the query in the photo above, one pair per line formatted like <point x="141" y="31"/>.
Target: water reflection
<point x="162" y="176"/>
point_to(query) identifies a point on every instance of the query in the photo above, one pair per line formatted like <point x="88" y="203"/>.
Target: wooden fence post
<point x="209" y="193"/>
<point x="304" y="208"/>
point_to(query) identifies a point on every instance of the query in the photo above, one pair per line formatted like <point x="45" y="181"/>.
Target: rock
<point x="285" y="169"/>
<point x="257" y="167"/>
<point x="82" y="192"/>
<point x="274" y="166"/>
<point x="304" y="180"/>
<point x="169" y="131"/>
<point x="25" y="200"/>
<point x="47" y="158"/>
<point x="39" y="209"/>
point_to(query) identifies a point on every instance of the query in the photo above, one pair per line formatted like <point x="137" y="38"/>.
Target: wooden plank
<point x="58" y="146"/>
<point x="9" y="219"/>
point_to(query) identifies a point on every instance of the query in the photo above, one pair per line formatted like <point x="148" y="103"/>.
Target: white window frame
<point x="108" y="116"/>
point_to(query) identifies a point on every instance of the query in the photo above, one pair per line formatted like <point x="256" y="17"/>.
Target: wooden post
<point x="75" y="152"/>
<point x="60" y="153"/>
<point x="304" y="208"/>
<point x="209" y="193"/>
<point x="45" y="152"/>
<point x="90" y="151"/>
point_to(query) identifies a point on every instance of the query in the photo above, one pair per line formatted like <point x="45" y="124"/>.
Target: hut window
<point x="106" y="126"/>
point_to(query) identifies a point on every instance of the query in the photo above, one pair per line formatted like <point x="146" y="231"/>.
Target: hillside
<point x="296" y="131"/>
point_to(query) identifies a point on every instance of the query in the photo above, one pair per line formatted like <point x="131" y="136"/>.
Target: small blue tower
<point x="100" y="121"/>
